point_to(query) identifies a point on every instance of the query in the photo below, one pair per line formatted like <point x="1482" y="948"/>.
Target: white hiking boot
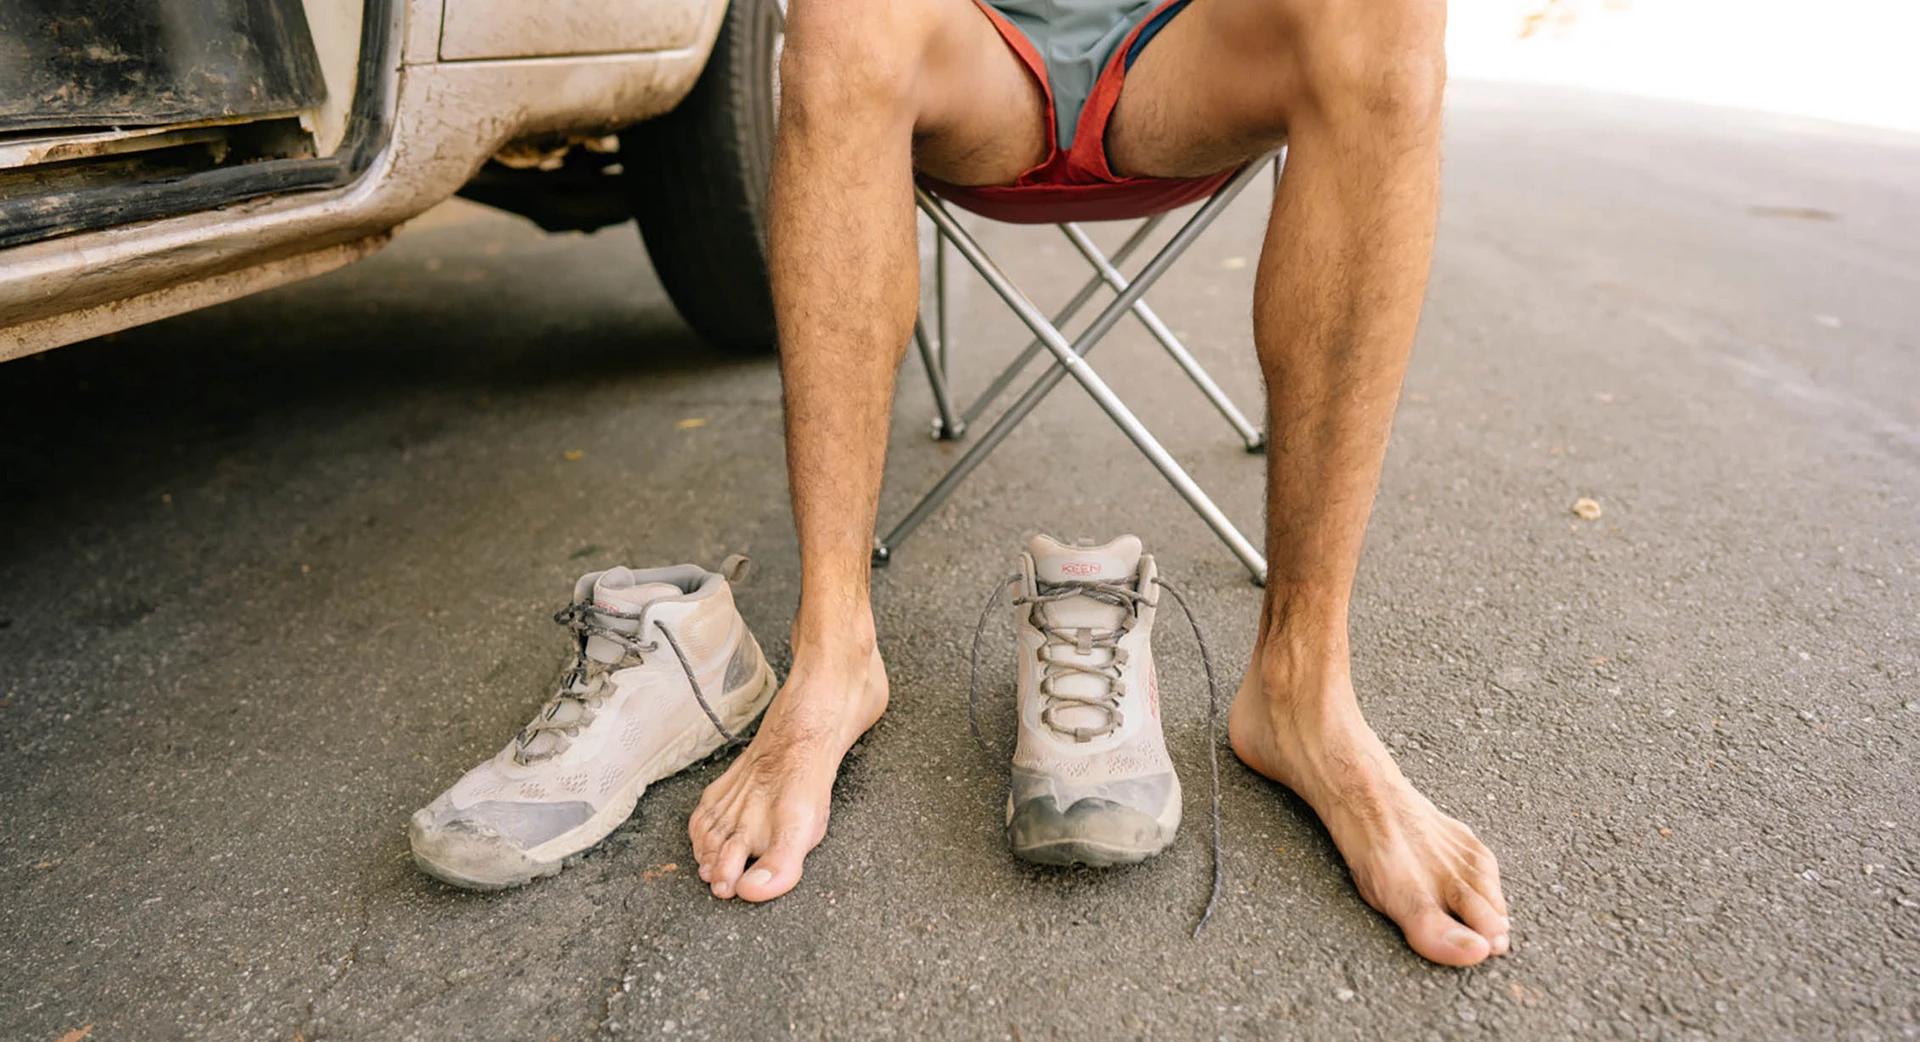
<point x="664" y="673"/>
<point x="1092" y="784"/>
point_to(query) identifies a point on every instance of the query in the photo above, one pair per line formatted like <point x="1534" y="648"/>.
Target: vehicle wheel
<point x="697" y="178"/>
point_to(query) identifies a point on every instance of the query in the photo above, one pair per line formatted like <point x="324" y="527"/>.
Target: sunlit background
<point x="1847" y="60"/>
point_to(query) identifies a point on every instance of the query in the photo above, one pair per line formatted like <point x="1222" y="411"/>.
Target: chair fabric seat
<point x="1059" y="203"/>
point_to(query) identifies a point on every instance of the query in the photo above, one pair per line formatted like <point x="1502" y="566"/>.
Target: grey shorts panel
<point x="1076" y="39"/>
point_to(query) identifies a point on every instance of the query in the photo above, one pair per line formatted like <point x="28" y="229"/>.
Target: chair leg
<point x="1075" y="365"/>
<point x="946" y="426"/>
<point x="941" y="339"/>
<point x="1061" y="318"/>
<point x="1070" y="361"/>
<point x="1254" y="440"/>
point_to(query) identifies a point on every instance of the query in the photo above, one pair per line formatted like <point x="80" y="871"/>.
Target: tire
<point x="697" y="179"/>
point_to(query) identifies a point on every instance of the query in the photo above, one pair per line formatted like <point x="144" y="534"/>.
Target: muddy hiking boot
<point x="1091" y="782"/>
<point x="664" y="673"/>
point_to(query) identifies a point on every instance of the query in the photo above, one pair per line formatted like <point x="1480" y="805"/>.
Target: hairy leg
<point x="1354" y="88"/>
<point x="864" y="87"/>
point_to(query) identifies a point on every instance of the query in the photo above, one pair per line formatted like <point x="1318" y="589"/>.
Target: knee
<point x="1381" y="60"/>
<point x="844" y="56"/>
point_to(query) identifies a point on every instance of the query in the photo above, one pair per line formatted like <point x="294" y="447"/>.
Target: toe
<point x="1484" y="874"/>
<point x="700" y="833"/>
<point x="727" y="866"/>
<point x="1441" y="938"/>
<point x="778" y="870"/>
<point x="1480" y="914"/>
<point x="704" y="855"/>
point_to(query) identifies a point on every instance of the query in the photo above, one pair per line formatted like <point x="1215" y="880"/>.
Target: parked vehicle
<point x="160" y="157"/>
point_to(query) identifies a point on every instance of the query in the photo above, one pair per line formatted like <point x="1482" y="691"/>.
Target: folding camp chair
<point x="1069" y="359"/>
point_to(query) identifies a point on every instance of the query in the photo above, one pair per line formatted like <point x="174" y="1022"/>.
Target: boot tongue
<point x="617" y="590"/>
<point x="1117" y="562"/>
<point x="1054" y="561"/>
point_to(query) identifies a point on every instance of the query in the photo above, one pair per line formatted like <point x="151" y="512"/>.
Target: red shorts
<point x="1076" y="184"/>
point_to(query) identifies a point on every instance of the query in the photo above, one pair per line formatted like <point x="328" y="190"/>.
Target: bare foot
<point x="1413" y="864"/>
<point x="771" y="806"/>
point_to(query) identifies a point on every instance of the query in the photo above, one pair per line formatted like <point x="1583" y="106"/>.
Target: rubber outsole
<point x="1092" y="832"/>
<point x="442" y="850"/>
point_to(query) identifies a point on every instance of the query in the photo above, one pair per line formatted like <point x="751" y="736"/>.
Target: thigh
<point x="1209" y="92"/>
<point x="981" y="116"/>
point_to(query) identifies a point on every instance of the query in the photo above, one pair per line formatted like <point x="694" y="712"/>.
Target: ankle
<point x="1304" y="623"/>
<point x="836" y="630"/>
<point x="1302" y="679"/>
<point x="836" y="687"/>
<point x="840" y="653"/>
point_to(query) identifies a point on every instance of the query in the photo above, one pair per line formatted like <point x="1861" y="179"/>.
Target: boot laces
<point x="1084" y="641"/>
<point x="586" y="685"/>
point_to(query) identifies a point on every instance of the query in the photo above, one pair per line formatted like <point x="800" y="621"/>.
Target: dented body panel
<point x="449" y="117"/>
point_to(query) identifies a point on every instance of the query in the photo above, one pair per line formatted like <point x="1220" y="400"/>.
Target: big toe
<point x="776" y="871"/>
<point x="1441" y="938"/>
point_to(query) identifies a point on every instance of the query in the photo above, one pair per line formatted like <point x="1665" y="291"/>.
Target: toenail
<point x="1461" y="938"/>
<point x="759" y="877"/>
<point x="1500" y="944"/>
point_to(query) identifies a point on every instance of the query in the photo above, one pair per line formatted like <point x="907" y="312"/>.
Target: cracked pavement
<point x="273" y="574"/>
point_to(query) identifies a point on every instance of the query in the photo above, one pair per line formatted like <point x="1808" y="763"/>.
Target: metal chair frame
<point x="1069" y="358"/>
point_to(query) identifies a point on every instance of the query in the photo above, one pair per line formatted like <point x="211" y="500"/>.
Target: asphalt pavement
<point x="274" y="574"/>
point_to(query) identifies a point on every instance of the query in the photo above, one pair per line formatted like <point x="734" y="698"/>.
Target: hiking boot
<point x="664" y="673"/>
<point x="1092" y="784"/>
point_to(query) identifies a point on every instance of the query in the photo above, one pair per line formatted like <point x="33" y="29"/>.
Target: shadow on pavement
<point x="79" y="423"/>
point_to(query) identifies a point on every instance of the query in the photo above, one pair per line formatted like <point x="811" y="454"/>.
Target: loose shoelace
<point x="1125" y="597"/>
<point x="585" y="681"/>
